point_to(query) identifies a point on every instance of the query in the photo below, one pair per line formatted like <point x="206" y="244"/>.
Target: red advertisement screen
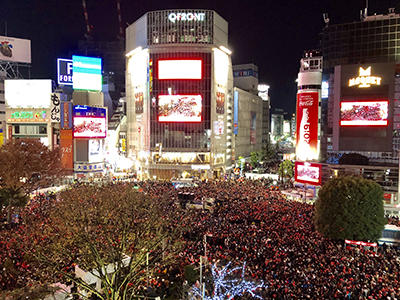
<point x="180" y="69"/>
<point x="179" y="108"/>
<point x="307" y="126"/>
<point x="89" y="127"/>
<point x="306" y="172"/>
<point x="364" y="113"/>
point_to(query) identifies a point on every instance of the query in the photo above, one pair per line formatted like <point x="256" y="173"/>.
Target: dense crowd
<point x="274" y="236"/>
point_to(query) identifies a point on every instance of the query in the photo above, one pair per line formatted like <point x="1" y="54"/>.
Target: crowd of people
<point x="255" y="224"/>
<point x="277" y="240"/>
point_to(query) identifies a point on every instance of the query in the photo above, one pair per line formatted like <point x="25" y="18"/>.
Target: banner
<point x="15" y="50"/>
<point x="67" y="150"/>
<point x="307" y="126"/>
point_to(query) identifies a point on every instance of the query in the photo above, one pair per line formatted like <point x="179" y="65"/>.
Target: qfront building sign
<point x="181" y="16"/>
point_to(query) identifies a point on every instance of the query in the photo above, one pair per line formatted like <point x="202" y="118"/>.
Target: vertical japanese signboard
<point x="55" y="108"/>
<point x="307" y="126"/>
<point x="66" y="146"/>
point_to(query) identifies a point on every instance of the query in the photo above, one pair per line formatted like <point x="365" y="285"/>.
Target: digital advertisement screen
<point x="179" y="108"/>
<point x="180" y="69"/>
<point x="306" y="172"/>
<point x="364" y="113"/>
<point x="27" y="93"/>
<point x="89" y="127"/>
<point x="86" y="73"/>
<point x="307" y="126"/>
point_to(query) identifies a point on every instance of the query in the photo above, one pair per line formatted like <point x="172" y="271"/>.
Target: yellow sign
<point x="364" y="79"/>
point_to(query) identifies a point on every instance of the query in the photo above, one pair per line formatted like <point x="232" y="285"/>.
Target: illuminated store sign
<point x="29" y="115"/>
<point x="364" y="79"/>
<point x="173" y="17"/>
<point x="64" y="71"/>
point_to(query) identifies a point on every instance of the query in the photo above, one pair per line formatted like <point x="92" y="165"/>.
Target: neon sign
<point x="173" y="17"/>
<point x="29" y="115"/>
<point x="364" y="79"/>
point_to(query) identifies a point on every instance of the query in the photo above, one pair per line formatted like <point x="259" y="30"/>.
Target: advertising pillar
<point x="307" y="126"/>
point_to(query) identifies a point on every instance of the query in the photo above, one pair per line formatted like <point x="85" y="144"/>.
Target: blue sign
<point x="87" y="73"/>
<point x="235" y="112"/>
<point x="64" y="71"/>
<point x="89" y="111"/>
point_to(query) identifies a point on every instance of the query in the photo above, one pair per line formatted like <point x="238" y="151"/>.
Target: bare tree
<point x="25" y="165"/>
<point x="119" y="236"/>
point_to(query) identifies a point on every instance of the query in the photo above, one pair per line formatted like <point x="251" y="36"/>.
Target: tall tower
<point x="308" y="108"/>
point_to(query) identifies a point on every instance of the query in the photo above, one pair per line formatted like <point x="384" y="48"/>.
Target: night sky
<point x="271" y="34"/>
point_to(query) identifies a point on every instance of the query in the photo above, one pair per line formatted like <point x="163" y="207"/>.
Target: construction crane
<point x="88" y="26"/>
<point x="121" y="31"/>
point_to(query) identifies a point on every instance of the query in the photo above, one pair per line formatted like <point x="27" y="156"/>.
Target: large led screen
<point x="179" y="108"/>
<point x="307" y="126"/>
<point x="27" y="93"/>
<point x="180" y="69"/>
<point x="306" y="172"/>
<point x="364" y="113"/>
<point x="89" y="127"/>
<point x="86" y="73"/>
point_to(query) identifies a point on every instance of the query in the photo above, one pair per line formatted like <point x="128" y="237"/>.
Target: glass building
<point x="179" y="93"/>
<point x="374" y="39"/>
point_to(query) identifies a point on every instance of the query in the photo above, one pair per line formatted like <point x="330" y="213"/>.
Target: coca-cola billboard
<point x="307" y="126"/>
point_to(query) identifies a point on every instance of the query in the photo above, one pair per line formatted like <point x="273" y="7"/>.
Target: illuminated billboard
<point x="27" y="93"/>
<point x="364" y="113"/>
<point x="15" y="50"/>
<point x="309" y="173"/>
<point x="86" y="73"/>
<point x="64" y="71"/>
<point x="307" y="126"/>
<point x="180" y="69"/>
<point x="89" y="122"/>
<point x="89" y="127"/>
<point x="179" y="108"/>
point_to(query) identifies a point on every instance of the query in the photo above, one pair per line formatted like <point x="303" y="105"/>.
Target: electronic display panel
<point x="180" y="69"/>
<point x="179" y="108"/>
<point x="86" y="73"/>
<point x="89" y="127"/>
<point x="306" y="172"/>
<point x="364" y="113"/>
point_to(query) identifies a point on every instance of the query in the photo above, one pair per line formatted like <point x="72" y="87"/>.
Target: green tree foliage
<point x="286" y="169"/>
<point x="255" y="159"/>
<point x="99" y="228"/>
<point x="350" y="207"/>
